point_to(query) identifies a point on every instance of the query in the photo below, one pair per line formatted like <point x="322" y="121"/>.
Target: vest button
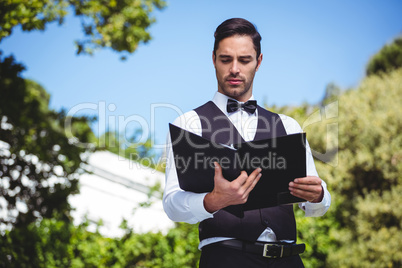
<point x="266" y="222"/>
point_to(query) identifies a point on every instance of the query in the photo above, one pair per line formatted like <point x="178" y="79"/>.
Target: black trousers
<point x="216" y="256"/>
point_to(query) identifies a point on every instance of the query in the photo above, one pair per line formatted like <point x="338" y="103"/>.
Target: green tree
<point x="178" y="248"/>
<point x="363" y="225"/>
<point x="117" y="24"/>
<point x="332" y="92"/>
<point x="368" y="182"/>
<point x="39" y="166"/>
<point x="389" y="58"/>
<point x="51" y="243"/>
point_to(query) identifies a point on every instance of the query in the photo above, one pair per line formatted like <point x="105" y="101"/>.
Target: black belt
<point x="268" y="250"/>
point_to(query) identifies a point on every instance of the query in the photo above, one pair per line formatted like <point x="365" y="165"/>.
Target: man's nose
<point x="234" y="69"/>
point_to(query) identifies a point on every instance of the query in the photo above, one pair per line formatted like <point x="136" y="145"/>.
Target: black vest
<point x="217" y="127"/>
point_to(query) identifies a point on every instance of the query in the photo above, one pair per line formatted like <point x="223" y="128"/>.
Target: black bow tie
<point x="248" y="106"/>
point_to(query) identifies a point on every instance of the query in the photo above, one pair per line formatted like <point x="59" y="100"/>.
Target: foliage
<point x="41" y="242"/>
<point x="332" y="92"/>
<point x="39" y="165"/>
<point x="178" y="248"/>
<point x="368" y="182"/>
<point x="117" y="24"/>
<point x="52" y="243"/>
<point x="363" y="226"/>
<point x="388" y="59"/>
<point x="356" y="139"/>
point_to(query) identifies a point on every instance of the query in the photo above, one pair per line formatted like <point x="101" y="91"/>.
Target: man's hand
<point x="308" y="188"/>
<point x="226" y="193"/>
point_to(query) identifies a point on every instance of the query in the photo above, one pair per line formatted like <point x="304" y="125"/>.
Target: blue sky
<point x="306" y="45"/>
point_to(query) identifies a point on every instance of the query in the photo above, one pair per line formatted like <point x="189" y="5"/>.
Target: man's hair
<point x="237" y="26"/>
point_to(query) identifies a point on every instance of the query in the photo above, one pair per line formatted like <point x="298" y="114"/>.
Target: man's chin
<point x="234" y="92"/>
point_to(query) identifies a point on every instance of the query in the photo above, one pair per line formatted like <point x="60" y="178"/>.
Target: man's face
<point x="235" y="64"/>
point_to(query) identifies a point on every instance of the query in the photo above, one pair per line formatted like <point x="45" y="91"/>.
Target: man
<point x="226" y="240"/>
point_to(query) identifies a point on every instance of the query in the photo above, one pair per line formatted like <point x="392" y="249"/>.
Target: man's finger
<point x="308" y="180"/>
<point x="305" y="187"/>
<point x="242" y="179"/>
<point x="307" y="192"/>
<point x="253" y="184"/>
<point x="301" y="194"/>
<point x="250" y="179"/>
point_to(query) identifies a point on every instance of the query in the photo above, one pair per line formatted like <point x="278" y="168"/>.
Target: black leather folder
<point x="282" y="160"/>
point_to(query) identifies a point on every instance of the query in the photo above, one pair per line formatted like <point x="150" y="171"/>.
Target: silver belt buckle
<point x="272" y="247"/>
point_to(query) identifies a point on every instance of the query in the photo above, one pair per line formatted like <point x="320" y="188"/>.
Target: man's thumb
<point x="218" y="170"/>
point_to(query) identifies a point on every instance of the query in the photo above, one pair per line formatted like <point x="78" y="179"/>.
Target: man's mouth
<point x="234" y="81"/>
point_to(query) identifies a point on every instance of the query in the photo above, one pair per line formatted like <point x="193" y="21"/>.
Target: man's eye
<point x="225" y="61"/>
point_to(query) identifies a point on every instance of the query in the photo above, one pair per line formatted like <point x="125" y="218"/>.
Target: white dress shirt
<point x="183" y="206"/>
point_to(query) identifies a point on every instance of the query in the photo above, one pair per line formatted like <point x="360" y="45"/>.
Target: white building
<point x="114" y="190"/>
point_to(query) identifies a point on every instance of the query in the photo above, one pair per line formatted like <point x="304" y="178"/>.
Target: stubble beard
<point x="236" y="91"/>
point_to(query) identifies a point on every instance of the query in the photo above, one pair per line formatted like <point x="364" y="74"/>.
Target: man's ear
<point x="259" y="60"/>
<point x="213" y="58"/>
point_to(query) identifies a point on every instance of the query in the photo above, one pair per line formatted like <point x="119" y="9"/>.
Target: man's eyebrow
<point x="241" y="57"/>
<point x="246" y="57"/>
